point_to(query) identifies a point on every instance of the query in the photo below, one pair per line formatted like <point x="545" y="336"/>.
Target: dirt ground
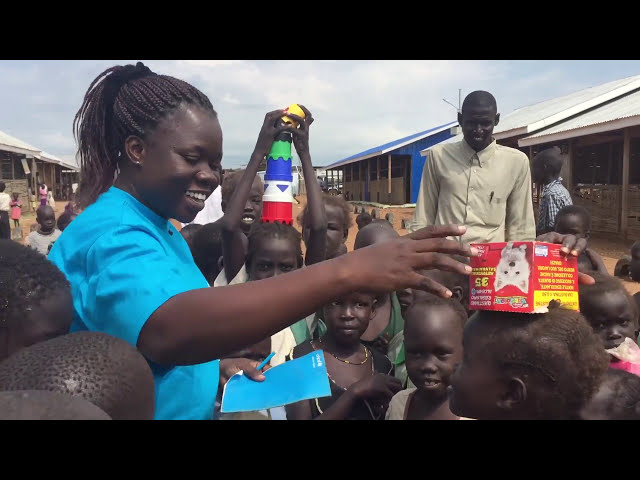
<point x="610" y="248"/>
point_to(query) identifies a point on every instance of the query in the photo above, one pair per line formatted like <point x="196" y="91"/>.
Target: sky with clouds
<point x="356" y="104"/>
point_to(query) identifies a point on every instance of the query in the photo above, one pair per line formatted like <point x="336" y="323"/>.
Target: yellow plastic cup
<point x="296" y="110"/>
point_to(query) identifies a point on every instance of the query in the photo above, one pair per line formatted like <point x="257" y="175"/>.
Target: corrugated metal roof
<point x="606" y="117"/>
<point x="47" y="157"/>
<point x="387" y="147"/>
<point x="534" y="117"/>
<point x="15" y="145"/>
<point x="12" y="144"/>
<point x="454" y="139"/>
<point x="71" y="161"/>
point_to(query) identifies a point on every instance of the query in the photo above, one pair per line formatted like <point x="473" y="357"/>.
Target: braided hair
<point x="123" y="100"/>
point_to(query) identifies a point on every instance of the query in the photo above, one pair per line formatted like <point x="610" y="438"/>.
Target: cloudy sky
<point x="357" y="104"/>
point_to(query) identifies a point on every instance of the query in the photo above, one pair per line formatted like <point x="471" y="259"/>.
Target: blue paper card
<point x="300" y="379"/>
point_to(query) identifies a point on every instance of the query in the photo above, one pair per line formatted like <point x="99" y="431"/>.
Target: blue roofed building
<point x="390" y="173"/>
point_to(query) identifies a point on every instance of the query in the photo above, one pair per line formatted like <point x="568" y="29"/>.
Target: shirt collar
<point x="484" y="156"/>
<point x="139" y="207"/>
<point x="557" y="181"/>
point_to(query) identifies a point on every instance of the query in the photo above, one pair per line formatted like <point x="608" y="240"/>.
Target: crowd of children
<point x="411" y="355"/>
<point x="390" y="352"/>
<point x="407" y="355"/>
<point x="404" y="355"/>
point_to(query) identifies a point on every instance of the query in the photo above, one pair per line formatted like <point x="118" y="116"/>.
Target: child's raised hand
<point x="271" y="128"/>
<point x="379" y="386"/>
<point x="301" y="134"/>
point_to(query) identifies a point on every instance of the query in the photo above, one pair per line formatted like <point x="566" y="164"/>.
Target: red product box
<point x="522" y="277"/>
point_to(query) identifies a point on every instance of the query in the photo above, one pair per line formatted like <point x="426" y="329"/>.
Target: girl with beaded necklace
<point x="361" y="379"/>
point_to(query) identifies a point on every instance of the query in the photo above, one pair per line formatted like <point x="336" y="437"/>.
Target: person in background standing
<point x="546" y="167"/>
<point x="43" y="194"/>
<point x="5" y="201"/>
<point x="476" y="182"/>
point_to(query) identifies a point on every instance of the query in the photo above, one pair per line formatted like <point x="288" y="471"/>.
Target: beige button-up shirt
<point x="487" y="191"/>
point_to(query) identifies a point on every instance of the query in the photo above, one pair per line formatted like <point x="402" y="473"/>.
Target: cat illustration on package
<point x="513" y="268"/>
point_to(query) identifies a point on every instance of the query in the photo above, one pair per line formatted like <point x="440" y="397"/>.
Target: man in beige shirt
<point x="476" y="182"/>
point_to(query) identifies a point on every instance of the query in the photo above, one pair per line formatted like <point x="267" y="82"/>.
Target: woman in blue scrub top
<point x="131" y="272"/>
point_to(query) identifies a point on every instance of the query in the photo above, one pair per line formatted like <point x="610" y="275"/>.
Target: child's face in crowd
<point x="571" y="224"/>
<point x="614" y="320"/>
<point x="348" y="317"/>
<point x="433" y="347"/>
<point x="46" y="219"/>
<point x="273" y="256"/>
<point x="477" y="384"/>
<point x="15" y="196"/>
<point x="253" y="208"/>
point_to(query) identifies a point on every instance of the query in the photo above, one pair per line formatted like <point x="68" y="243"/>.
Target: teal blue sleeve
<point x="129" y="276"/>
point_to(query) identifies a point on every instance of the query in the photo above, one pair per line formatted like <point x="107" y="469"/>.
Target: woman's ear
<point x="134" y="149"/>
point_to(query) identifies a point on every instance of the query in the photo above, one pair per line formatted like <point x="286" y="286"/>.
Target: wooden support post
<point x="389" y="176"/>
<point x="570" y="167"/>
<point x="360" y="182"/>
<point x="378" y="189"/>
<point x="625" y="183"/>
<point x="610" y="162"/>
<point x="34" y="183"/>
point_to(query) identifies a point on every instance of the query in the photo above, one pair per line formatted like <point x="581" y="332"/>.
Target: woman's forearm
<point x="205" y="324"/>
